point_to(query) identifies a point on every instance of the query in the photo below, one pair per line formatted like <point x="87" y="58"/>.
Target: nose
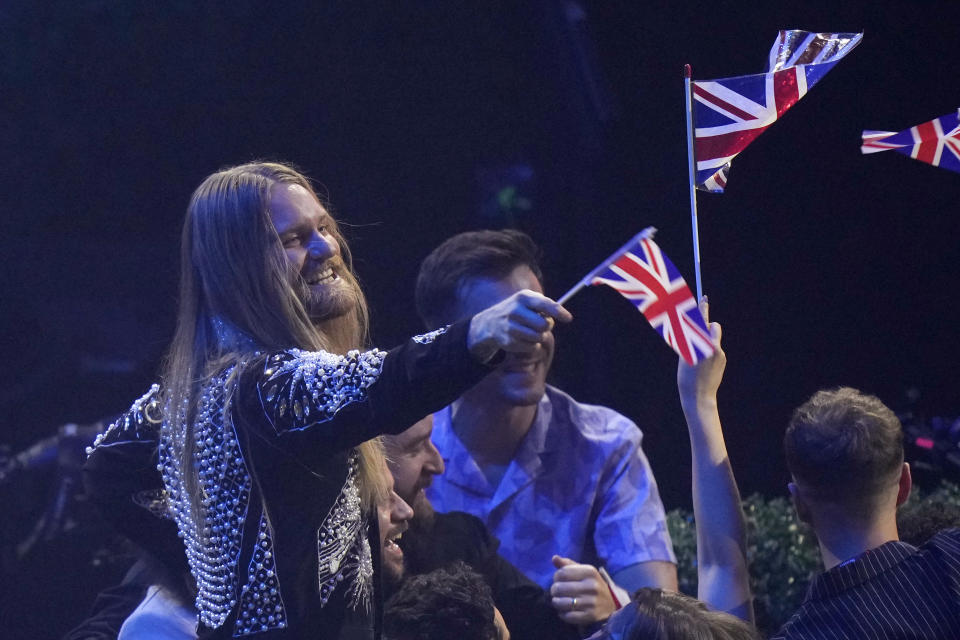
<point x="323" y="247"/>
<point x="400" y="511"/>
<point x="434" y="464"/>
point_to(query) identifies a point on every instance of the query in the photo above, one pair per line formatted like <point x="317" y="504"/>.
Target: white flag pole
<point x="687" y="90"/>
<point x="646" y="233"/>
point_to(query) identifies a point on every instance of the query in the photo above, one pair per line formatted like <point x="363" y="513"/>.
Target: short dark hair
<point x="451" y="603"/>
<point x="473" y="254"/>
<point x="844" y="447"/>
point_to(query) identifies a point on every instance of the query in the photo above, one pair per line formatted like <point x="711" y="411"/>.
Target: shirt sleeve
<point x="311" y="399"/>
<point x="631" y="524"/>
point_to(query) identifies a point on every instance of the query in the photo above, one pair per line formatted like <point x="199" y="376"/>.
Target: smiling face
<point x="393" y="516"/>
<point x="519" y="380"/>
<point x="413" y="461"/>
<point x="312" y="251"/>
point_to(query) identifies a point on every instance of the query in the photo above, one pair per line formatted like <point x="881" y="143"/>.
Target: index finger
<point x="574" y="573"/>
<point x="546" y="307"/>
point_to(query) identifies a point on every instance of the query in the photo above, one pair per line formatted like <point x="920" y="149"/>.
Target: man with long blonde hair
<point x="269" y="410"/>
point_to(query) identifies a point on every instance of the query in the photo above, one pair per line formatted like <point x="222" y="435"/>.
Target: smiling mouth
<point x="522" y="367"/>
<point x="322" y="277"/>
<point x="391" y="543"/>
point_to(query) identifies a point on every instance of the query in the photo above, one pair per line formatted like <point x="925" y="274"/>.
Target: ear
<point x="803" y="511"/>
<point x="906" y="483"/>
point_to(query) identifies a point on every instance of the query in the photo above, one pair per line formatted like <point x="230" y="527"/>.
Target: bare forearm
<point x="652" y="573"/>
<point x="721" y="529"/>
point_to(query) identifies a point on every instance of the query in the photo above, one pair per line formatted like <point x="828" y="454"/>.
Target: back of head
<point x="844" y="447"/>
<point x="473" y="254"/>
<point x="453" y="603"/>
<point x="660" y="614"/>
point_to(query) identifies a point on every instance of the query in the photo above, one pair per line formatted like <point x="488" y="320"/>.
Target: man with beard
<point x="268" y="410"/>
<point x="440" y="540"/>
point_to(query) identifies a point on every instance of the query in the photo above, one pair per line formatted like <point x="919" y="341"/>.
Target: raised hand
<point x="699" y="383"/>
<point x="518" y="324"/>
<point x="723" y="576"/>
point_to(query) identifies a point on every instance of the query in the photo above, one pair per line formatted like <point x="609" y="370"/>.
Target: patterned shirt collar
<point x="463" y="470"/>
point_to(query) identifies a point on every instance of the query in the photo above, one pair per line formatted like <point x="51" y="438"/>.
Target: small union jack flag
<point x="646" y="277"/>
<point x="730" y="113"/>
<point x="936" y="142"/>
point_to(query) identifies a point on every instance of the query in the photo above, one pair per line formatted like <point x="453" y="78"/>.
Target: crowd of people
<point x="284" y="479"/>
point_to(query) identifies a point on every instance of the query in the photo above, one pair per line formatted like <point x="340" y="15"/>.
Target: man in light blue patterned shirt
<point x="549" y="476"/>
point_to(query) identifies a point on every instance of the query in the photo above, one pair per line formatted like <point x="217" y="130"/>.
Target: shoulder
<point x="798" y="626"/>
<point x="590" y="422"/>
<point x="315" y="366"/>
<point x="140" y="423"/>
<point x="451" y="536"/>
<point x="295" y="388"/>
<point x="947" y="536"/>
<point x="945" y="543"/>
<point x="461" y="524"/>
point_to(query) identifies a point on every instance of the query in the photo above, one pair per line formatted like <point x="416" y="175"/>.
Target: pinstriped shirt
<point x="893" y="591"/>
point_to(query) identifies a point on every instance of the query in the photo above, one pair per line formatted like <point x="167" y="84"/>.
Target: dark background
<point x="825" y="267"/>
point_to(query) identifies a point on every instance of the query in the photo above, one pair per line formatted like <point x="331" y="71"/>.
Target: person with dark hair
<point x="548" y="475"/>
<point x="844" y="450"/>
<point x="266" y="421"/>
<point x="451" y="603"/>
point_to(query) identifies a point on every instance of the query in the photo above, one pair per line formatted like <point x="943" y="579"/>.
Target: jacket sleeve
<point x="305" y="401"/>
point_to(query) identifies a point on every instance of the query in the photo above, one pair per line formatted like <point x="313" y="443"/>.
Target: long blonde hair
<point x="233" y="268"/>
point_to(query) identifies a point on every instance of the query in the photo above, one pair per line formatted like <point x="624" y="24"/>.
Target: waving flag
<point x="646" y="277"/>
<point x="729" y="113"/>
<point x="936" y="142"/>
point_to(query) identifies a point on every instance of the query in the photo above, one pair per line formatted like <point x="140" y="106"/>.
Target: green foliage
<point x="923" y="514"/>
<point x="782" y="551"/>
<point x="783" y="556"/>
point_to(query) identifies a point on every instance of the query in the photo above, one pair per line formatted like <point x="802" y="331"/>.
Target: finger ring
<point x="573" y="604"/>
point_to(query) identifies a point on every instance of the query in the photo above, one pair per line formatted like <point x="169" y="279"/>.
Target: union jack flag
<point x="646" y="277"/>
<point x="936" y="142"/>
<point x="730" y="113"/>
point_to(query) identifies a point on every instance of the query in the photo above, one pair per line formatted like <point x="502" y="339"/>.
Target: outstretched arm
<point x="315" y="401"/>
<point x="723" y="576"/>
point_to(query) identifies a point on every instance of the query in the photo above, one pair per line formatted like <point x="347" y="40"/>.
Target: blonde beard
<point x="342" y="333"/>
<point x="423" y="514"/>
<point x="343" y="328"/>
